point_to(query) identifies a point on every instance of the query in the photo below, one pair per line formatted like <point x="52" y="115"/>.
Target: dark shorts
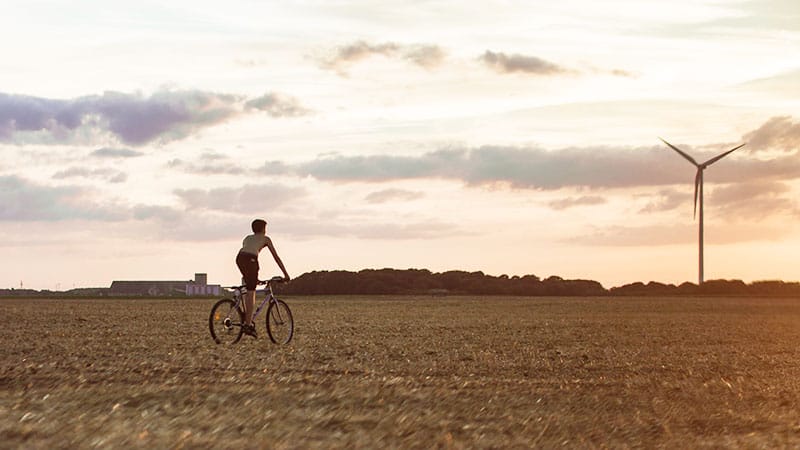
<point x="248" y="265"/>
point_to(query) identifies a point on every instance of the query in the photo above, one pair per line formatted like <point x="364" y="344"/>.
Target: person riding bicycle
<point x="247" y="261"/>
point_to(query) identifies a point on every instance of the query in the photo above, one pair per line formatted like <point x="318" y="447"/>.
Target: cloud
<point x="770" y="15"/>
<point x="417" y="230"/>
<point x="277" y="105"/>
<point x="209" y="163"/>
<point x="427" y="56"/>
<point x="361" y="50"/>
<point x="166" y="115"/>
<point x="536" y="168"/>
<point x="757" y="199"/>
<point x="213" y="156"/>
<point x="380" y="167"/>
<point x="747" y="191"/>
<point x="22" y="201"/>
<point x="365" y="228"/>
<point x="660" y="235"/>
<point x="133" y="119"/>
<point x="393" y="195"/>
<point x="592" y="168"/>
<point x="753" y="200"/>
<point x="783" y="85"/>
<point x="247" y="198"/>
<point x="779" y="133"/>
<point x="571" y="202"/>
<point x="533" y="65"/>
<point x="218" y="224"/>
<point x="623" y="73"/>
<point x="110" y="175"/>
<point x="274" y="168"/>
<point x="108" y="152"/>
<point x="210" y="227"/>
<point x="520" y="63"/>
<point x="668" y="200"/>
<point x="157" y="212"/>
<point x="636" y="236"/>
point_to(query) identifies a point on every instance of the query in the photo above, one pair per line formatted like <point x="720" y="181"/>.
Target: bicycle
<point x="227" y="316"/>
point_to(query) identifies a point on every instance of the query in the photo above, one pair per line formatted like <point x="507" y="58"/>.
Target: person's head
<point x="259" y="226"/>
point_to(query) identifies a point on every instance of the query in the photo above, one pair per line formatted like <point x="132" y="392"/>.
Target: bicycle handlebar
<point x="262" y="282"/>
<point x="273" y="280"/>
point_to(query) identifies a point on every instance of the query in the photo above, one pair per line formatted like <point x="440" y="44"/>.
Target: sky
<point x="138" y="140"/>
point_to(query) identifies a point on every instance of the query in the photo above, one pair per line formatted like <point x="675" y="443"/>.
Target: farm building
<point x="198" y="286"/>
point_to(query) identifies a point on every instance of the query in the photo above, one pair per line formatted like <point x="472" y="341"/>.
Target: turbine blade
<point x="688" y="158"/>
<point x="696" y="192"/>
<point x="717" y="158"/>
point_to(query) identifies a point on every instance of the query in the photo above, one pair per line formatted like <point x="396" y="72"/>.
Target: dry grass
<point x="405" y="372"/>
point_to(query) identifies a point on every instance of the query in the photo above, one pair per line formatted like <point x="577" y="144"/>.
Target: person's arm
<point x="277" y="258"/>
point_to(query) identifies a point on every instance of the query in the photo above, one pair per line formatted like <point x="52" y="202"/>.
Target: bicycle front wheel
<point x="280" y="324"/>
<point x="225" y="322"/>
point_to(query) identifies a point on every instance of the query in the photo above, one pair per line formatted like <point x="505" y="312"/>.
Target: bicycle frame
<point x="268" y="298"/>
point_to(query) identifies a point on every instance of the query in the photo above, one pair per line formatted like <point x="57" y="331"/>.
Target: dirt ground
<point x="402" y="372"/>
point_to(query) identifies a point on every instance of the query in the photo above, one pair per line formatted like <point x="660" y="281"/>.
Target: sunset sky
<point x="139" y="139"/>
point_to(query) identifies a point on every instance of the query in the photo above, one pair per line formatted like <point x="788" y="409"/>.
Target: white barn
<point x="197" y="287"/>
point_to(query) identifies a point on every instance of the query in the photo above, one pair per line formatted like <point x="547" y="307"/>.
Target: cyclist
<point x="247" y="261"/>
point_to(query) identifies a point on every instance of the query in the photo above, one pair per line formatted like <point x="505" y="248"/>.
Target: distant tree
<point x="640" y="289"/>
<point x="775" y="287"/>
<point x="686" y="288"/>
<point x="723" y="287"/>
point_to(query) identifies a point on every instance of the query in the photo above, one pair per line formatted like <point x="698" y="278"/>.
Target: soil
<point x="405" y="372"/>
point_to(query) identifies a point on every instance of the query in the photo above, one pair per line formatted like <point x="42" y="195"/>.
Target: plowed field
<point x="405" y="372"/>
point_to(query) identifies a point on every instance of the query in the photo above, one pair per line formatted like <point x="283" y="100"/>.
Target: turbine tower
<point x="698" y="193"/>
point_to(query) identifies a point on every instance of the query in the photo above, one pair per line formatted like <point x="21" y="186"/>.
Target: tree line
<point x="457" y="282"/>
<point x="422" y="281"/>
<point x="425" y="282"/>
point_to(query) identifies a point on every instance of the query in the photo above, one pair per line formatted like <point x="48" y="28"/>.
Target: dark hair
<point x="258" y="225"/>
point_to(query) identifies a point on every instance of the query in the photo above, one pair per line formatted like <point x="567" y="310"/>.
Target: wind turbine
<point x="698" y="191"/>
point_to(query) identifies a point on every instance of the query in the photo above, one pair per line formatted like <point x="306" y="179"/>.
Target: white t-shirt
<point x="253" y="243"/>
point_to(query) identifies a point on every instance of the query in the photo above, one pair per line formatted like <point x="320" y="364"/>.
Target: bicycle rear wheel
<point x="280" y="324"/>
<point x="225" y="322"/>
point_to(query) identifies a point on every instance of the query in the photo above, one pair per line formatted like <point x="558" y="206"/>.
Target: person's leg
<point x="248" y="265"/>
<point x="249" y="305"/>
